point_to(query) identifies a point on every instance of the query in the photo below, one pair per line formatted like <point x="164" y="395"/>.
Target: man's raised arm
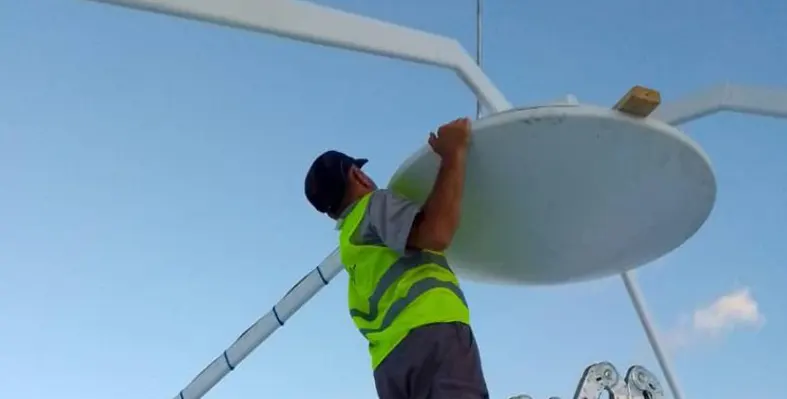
<point x="434" y="227"/>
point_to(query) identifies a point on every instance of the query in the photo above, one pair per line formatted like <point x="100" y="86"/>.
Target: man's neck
<point x="349" y="208"/>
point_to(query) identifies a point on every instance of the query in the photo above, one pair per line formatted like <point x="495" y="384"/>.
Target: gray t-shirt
<point x="387" y="220"/>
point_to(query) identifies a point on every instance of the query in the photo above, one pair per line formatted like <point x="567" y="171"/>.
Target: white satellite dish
<point x="566" y="193"/>
<point x="304" y="21"/>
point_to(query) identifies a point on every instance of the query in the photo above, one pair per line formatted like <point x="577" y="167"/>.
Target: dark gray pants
<point x="436" y="361"/>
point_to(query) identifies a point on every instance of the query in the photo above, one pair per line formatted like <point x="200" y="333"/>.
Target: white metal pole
<point x="638" y="301"/>
<point x="478" y="48"/>
<point x="258" y="332"/>
<point x="313" y="23"/>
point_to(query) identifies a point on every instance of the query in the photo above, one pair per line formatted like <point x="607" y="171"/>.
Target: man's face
<point x="361" y="181"/>
<point x="358" y="185"/>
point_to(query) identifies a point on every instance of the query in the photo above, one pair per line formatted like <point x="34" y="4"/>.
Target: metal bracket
<point x="598" y="378"/>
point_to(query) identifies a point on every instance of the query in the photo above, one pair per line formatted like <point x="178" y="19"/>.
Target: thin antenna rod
<point x="478" y="41"/>
<point x="638" y="300"/>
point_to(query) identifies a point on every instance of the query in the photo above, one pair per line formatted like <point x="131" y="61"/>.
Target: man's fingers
<point x="459" y="122"/>
<point x="464" y="122"/>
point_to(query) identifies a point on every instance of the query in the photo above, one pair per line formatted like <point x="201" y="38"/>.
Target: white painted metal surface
<point x="566" y="193"/>
<point x="308" y="22"/>
<point x="725" y="97"/>
<point x="320" y="25"/>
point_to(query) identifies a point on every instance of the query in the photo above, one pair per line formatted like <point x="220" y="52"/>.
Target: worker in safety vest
<point x="403" y="296"/>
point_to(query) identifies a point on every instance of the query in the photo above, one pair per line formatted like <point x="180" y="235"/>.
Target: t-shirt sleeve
<point x="391" y="217"/>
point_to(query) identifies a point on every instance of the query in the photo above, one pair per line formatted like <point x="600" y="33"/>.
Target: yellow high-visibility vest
<point x="389" y="294"/>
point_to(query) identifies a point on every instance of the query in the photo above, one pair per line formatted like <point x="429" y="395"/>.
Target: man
<point x="403" y="296"/>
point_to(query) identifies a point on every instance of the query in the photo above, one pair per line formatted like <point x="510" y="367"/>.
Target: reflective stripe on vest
<point x="391" y="276"/>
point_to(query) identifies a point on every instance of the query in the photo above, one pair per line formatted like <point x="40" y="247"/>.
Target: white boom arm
<point x="321" y="25"/>
<point x="725" y="97"/>
<point x="308" y="22"/>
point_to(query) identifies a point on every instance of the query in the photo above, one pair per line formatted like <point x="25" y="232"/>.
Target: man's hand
<point x="451" y="139"/>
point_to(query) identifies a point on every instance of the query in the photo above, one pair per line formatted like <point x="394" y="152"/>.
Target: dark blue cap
<point x="326" y="181"/>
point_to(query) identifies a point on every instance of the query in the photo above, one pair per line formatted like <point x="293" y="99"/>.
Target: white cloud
<point x="728" y="312"/>
<point x="737" y="309"/>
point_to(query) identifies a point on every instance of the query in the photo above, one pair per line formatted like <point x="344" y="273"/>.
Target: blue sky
<point x="152" y="208"/>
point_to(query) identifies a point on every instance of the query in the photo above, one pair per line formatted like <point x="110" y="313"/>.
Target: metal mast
<point x="478" y="54"/>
